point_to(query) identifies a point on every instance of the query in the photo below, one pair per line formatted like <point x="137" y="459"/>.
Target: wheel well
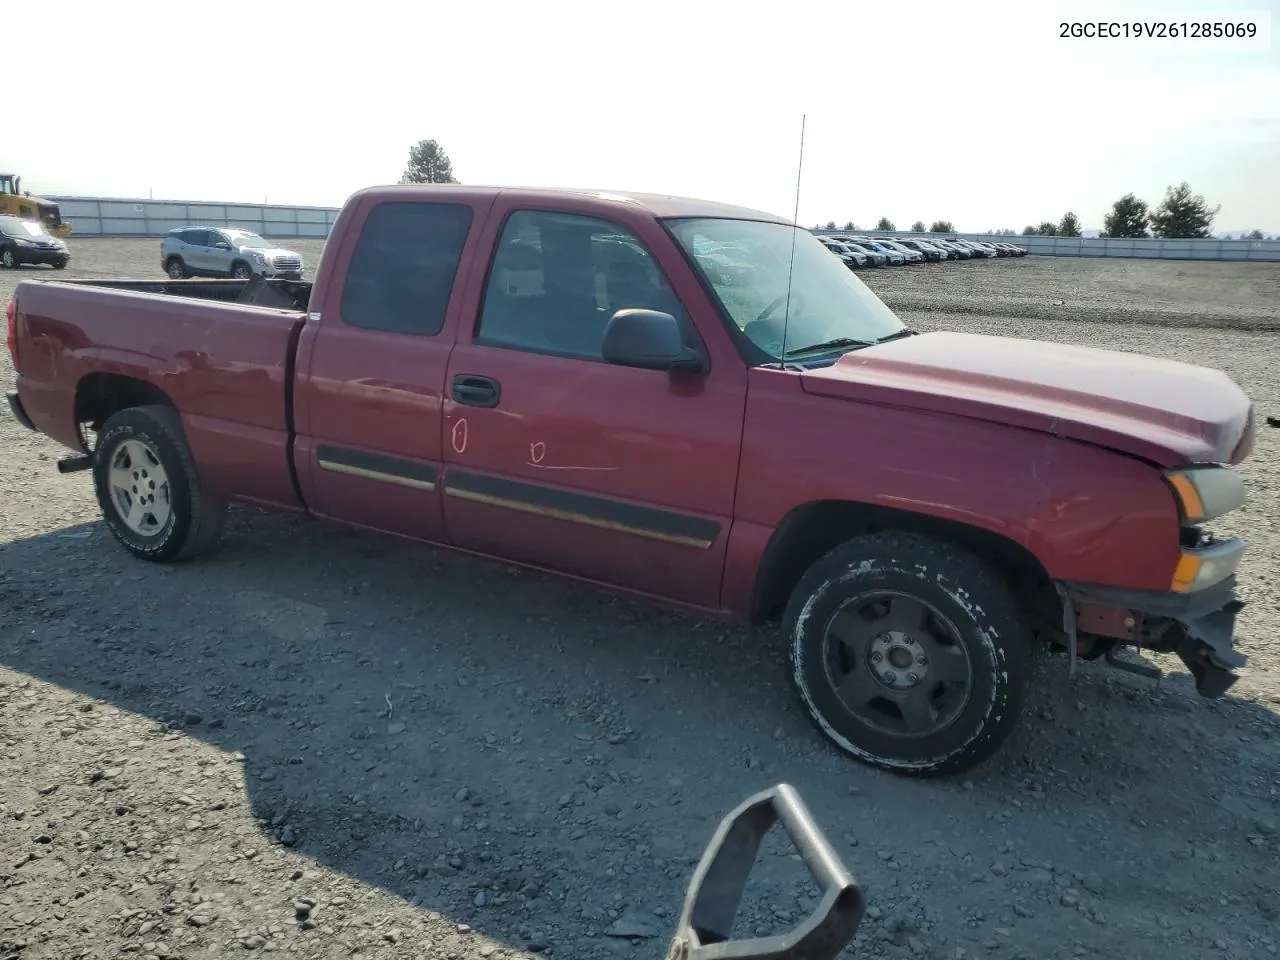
<point x="812" y="530"/>
<point x="99" y="395"/>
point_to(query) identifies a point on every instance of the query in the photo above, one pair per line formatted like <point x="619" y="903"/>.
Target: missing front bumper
<point x="1206" y="648"/>
<point x="1199" y="627"/>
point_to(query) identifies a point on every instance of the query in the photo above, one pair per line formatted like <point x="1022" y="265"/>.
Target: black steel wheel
<point x="910" y="653"/>
<point x="896" y="663"/>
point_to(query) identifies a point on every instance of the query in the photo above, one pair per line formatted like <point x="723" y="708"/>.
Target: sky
<point x="977" y="113"/>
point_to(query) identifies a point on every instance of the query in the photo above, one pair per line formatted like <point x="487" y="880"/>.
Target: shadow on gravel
<point x="537" y="759"/>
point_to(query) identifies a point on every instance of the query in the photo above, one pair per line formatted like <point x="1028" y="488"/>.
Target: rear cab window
<point x="404" y="266"/>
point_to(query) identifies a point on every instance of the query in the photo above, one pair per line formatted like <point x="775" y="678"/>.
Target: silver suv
<point x="225" y="252"/>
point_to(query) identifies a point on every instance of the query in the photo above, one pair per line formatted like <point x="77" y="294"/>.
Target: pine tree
<point x="1182" y="215"/>
<point x="428" y="163"/>
<point x="1129" y="217"/>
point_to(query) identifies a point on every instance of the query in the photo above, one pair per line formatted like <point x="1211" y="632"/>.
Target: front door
<point x="368" y="406"/>
<point x="220" y="257"/>
<point x="556" y="458"/>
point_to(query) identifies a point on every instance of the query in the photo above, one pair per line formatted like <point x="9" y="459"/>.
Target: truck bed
<point x="214" y="349"/>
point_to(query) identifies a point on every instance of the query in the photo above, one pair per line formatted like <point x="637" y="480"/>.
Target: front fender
<point x="1087" y="514"/>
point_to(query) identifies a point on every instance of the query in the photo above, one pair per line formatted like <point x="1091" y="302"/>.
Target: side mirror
<point x="705" y="929"/>
<point x="648" y="339"/>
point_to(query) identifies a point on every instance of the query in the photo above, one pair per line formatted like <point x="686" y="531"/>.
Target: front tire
<point x="241" y="271"/>
<point x="910" y="653"/>
<point x="148" y="488"/>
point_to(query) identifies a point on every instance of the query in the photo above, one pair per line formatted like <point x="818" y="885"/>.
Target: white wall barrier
<point x="113" y="217"/>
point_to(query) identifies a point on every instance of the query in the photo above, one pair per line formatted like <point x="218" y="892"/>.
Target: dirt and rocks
<point x="330" y="744"/>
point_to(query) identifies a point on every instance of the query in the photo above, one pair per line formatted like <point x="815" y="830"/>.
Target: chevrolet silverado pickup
<point x="686" y="400"/>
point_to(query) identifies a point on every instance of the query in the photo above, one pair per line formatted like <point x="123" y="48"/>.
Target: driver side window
<point x="557" y="279"/>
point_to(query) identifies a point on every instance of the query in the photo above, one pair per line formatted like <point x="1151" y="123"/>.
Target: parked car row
<point x="859" y="251"/>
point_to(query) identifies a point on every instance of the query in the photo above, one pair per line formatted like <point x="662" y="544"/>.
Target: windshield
<point x="250" y="240"/>
<point x="827" y="301"/>
<point x="17" y="227"/>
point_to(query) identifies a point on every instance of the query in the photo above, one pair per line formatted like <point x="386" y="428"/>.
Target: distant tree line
<point x="885" y="225"/>
<point x="1181" y="215"/>
<point x="1068" y="226"/>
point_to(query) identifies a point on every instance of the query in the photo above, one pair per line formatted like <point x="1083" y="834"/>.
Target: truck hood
<point x="1167" y="412"/>
<point x="269" y="252"/>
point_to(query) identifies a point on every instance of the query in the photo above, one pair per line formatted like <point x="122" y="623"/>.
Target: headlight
<point x="1206" y="566"/>
<point x="1206" y="493"/>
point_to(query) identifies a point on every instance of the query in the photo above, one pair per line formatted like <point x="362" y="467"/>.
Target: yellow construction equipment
<point x="15" y="203"/>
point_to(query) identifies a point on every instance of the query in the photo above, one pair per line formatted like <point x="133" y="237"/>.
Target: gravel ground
<point x="332" y="744"/>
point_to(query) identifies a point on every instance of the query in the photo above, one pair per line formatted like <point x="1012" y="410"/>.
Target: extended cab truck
<point x="552" y="379"/>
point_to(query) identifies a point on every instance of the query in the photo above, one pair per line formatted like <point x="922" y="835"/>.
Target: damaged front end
<point x="1198" y="627"/>
<point x="1195" y="618"/>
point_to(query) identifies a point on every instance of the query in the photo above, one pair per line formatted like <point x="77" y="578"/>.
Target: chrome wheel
<point x="176" y="271"/>
<point x="9" y="260"/>
<point x="139" y="488"/>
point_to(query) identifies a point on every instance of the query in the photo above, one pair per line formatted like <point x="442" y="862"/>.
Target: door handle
<point x="475" y="391"/>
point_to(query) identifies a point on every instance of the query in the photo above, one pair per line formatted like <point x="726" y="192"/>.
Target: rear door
<point x="194" y="250"/>
<point x="557" y="458"/>
<point x="372" y="360"/>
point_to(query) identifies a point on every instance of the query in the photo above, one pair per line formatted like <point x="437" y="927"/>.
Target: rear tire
<point x="176" y="269"/>
<point x="148" y="487"/>
<point x="910" y="653"/>
<point x="8" y="259"/>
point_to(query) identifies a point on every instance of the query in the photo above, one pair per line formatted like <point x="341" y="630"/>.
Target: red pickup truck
<point x="686" y="400"/>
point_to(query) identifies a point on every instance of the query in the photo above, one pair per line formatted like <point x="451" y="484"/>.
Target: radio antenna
<point x="786" y="318"/>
